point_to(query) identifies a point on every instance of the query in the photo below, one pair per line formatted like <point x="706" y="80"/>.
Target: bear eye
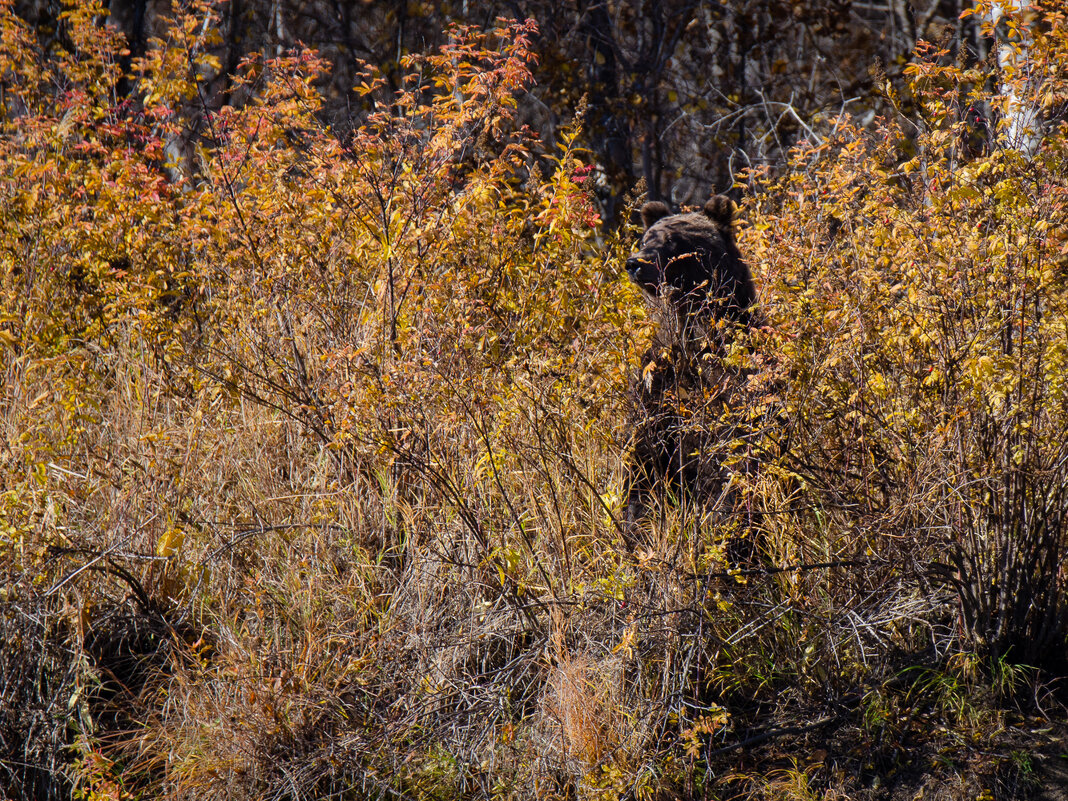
<point x="685" y="247"/>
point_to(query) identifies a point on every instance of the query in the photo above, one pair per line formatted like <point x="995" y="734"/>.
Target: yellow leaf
<point x="170" y="542"/>
<point x="626" y="645"/>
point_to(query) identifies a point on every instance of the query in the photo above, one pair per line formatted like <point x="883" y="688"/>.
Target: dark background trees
<point x="683" y="94"/>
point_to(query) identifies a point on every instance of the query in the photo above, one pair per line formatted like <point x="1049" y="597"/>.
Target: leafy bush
<point x="392" y="359"/>
<point x="313" y="439"/>
<point x="916" y="279"/>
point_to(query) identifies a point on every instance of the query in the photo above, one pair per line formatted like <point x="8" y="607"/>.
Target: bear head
<point x="692" y="259"/>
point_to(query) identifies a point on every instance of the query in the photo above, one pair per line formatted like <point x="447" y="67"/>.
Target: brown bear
<point x="701" y="293"/>
<point x="693" y="259"/>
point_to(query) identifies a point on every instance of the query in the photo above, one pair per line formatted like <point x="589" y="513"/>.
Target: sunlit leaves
<point x="918" y="313"/>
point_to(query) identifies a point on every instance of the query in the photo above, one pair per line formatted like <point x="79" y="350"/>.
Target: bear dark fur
<point x="701" y="292"/>
<point x="692" y="260"/>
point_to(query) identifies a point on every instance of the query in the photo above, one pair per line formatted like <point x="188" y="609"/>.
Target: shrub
<point x="311" y="441"/>
<point x="338" y="413"/>
<point x="915" y="280"/>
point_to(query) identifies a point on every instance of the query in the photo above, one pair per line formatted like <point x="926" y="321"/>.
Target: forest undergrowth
<point x="312" y="445"/>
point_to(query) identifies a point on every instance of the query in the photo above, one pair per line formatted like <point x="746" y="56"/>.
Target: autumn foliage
<point x="920" y="328"/>
<point x="313" y="440"/>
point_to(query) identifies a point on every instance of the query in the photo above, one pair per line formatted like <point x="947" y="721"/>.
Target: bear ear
<point x="653" y="211"/>
<point x="720" y="210"/>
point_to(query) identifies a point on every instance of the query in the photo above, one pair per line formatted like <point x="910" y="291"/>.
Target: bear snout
<point x="643" y="270"/>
